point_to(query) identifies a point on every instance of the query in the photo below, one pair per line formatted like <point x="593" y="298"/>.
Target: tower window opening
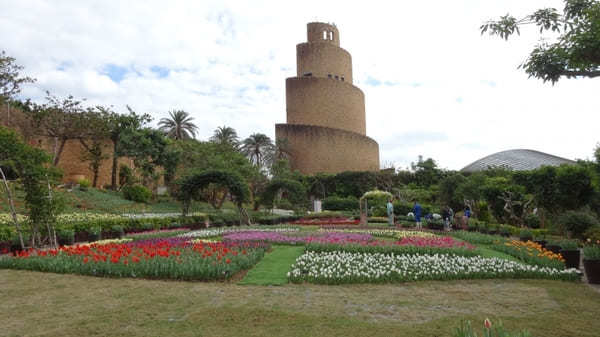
<point x="342" y="78"/>
<point x="307" y="74"/>
<point x="329" y="75"/>
<point x="324" y="35"/>
<point x="337" y="77"/>
<point x="331" y="36"/>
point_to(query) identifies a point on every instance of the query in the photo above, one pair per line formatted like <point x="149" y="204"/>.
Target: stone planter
<point x="571" y="257"/>
<point x="592" y="270"/>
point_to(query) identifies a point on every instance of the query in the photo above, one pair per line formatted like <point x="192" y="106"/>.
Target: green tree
<point x="426" y="172"/>
<point x="31" y="167"/>
<point x="120" y="125"/>
<point x="576" y="51"/>
<point x="226" y="135"/>
<point x="257" y="148"/>
<point x="178" y="125"/>
<point x="97" y="120"/>
<point x="58" y="119"/>
<point x="10" y="77"/>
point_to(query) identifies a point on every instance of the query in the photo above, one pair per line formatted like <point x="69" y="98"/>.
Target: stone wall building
<point x="326" y="126"/>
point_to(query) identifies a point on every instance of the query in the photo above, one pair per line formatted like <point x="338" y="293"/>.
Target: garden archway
<point x="191" y="186"/>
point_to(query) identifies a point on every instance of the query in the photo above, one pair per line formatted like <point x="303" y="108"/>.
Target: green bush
<point x="94" y="234"/>
<point x="118" y="230"/>
<point x="526" y="235"/>
<point x="402" y="208"/>
<point x="84" y="184"/>
<point x="532" y="221"/>
<point x="568" y="245"/>
<point x="137" y="193"/>
<point x="592" y="234"/>
<point x="591" y="252"/>
<point x="577" y="222"/>
<point x="340" y="204"/>
<point x="66" y="236"/>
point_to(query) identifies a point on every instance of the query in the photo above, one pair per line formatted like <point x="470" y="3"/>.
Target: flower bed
<point x="387" y="247"/>
<point x="531" y="253"/>
<point x="326" y="221"/>
<point x="164" y="233"/>
<point x="282" y="238"/>
<point x="343" y="267"/>
<point x="390" y="233"/>
<point x="174" y="258"/>
<point x="209" y="233"/>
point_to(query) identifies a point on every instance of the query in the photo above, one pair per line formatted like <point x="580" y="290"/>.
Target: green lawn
<point x="43" y="304"/>
<point x="273" y="268"/>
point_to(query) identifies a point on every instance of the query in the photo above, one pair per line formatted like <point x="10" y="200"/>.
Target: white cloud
<point x="446" y="91"/>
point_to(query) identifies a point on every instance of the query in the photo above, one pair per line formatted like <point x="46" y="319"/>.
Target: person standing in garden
<point x="390" y="212"/>
<point x="417" y="212"/>
<point x="446" y="218"/>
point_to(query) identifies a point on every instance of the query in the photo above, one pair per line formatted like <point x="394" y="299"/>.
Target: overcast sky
<point x="433" y="85"/>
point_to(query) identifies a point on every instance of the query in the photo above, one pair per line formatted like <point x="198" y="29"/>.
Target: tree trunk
<point x="51" y="231"/>
<point x="59" y="151"/>
<point x="113" y="174"/>
<point x="13" y="212"/>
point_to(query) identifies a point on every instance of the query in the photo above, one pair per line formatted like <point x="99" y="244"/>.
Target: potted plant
<point x="94" y="234"/>
<point x="525" y="235"/>
<point x="540" y="239"/>
<point x="591" y="263"/>
<point x="553" y="246"/>
<point x="66" y="237"/>
<point x="504" y="231"/>
<point x="570" y="252"/>
<point x="117" y="231"/>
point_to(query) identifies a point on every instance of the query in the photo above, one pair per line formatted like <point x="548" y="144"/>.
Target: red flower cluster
<point x="126" y="253"/>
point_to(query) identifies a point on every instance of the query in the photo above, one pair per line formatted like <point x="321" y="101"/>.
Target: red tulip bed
<point x="174" y="258"/>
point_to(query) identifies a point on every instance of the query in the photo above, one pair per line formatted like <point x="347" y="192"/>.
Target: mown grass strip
<point x="273" y="268"/>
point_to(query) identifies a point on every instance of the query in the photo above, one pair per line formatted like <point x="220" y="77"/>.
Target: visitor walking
<point x="468" y="212"/>
<point x="446" y="218"/>
<point x="417" y="212"/>
<point x="390" y="212"/>
<point x="451" y="211"/>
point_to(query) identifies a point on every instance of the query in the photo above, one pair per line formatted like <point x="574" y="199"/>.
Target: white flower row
<point x="343" y="267"/>
<point x="391" y="233"/>
<point x="207" y="233"/>
<point x="79" y="217"/>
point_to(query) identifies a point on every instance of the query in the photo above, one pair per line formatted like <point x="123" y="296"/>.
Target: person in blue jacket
<point x="417" y="212"/>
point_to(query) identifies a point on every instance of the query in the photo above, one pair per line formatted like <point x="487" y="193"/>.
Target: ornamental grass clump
<point x="344" y="267"/>
<point x="531" y="253"/>
<point x="173" y="258"/>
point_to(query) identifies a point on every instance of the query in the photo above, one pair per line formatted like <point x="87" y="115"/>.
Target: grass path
<point x="45" y="304"/>
<point x="273" y="268"/>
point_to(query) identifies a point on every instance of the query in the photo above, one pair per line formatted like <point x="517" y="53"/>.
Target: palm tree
<point x="226" y="135"/>
<point x="179" y="126"/>
<point x="257" y="148"/>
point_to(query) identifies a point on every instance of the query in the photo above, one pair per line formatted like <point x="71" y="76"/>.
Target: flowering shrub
<point x="531" y="253"/>
<point x="343" y="267"/>
<point x="173" y="258"/>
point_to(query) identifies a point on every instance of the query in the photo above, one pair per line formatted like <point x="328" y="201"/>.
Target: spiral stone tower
<point x="326" y="128"/>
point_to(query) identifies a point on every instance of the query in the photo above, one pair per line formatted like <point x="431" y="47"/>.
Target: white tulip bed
<point x="344" y="267"/>
<point x="209" y="233"/>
